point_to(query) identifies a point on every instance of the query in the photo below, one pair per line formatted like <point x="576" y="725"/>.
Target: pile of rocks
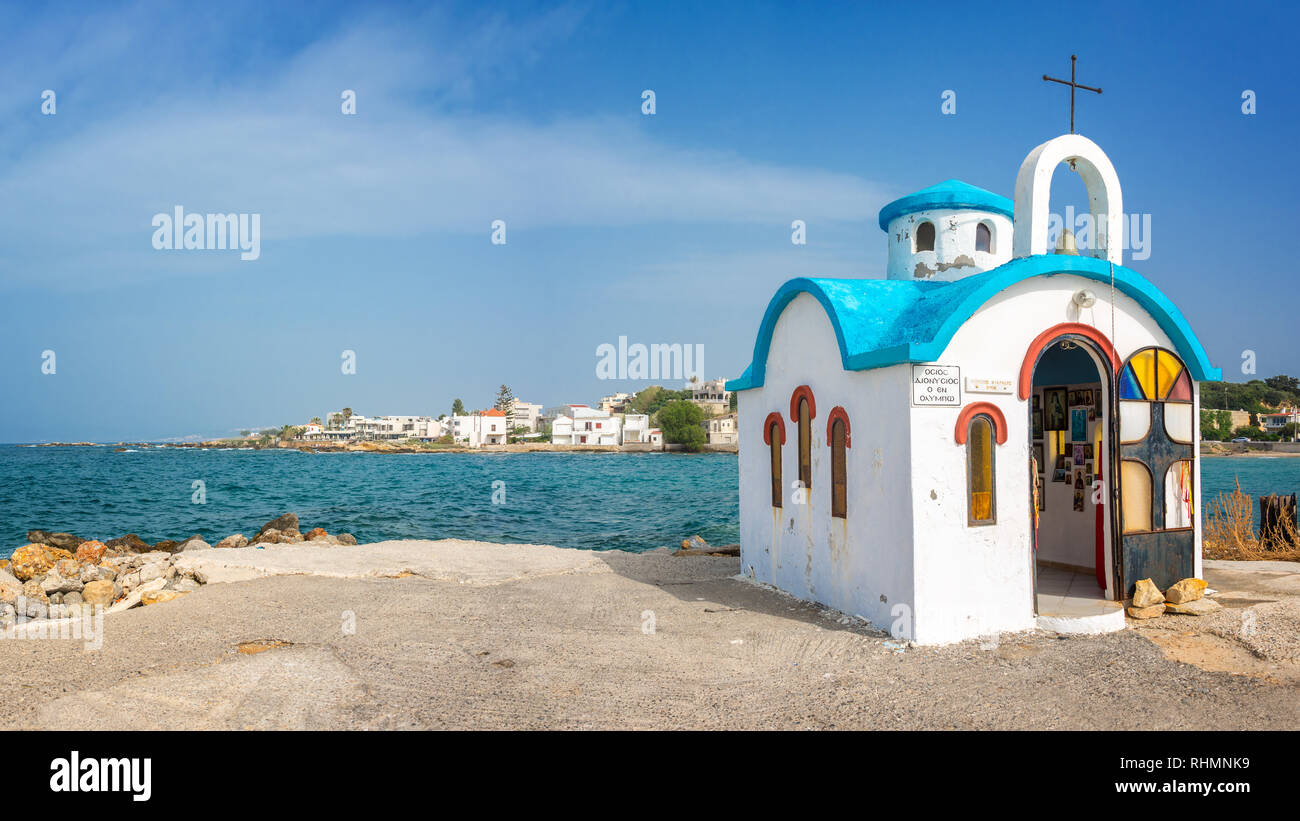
<point x="1186" y="598"/>
<point x="58" y="574"/>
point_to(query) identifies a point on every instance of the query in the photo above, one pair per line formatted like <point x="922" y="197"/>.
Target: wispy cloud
<point x="415" y="160"/>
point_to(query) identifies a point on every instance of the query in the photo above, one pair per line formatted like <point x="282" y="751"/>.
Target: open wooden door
<point x="1156" y="473"/>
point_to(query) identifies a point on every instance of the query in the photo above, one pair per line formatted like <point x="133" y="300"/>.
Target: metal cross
<point x="1073" y="85"/>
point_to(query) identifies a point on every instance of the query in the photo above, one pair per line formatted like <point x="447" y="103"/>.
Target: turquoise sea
<point x="627" y="501"/>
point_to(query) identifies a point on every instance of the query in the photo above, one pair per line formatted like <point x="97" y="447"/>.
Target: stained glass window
<point x="979" y="457"/>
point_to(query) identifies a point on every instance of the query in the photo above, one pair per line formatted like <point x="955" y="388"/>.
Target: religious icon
<point x="1087" y="451"/>
<point x="1060" y="461"/>
<point x="1054" y="400"/>
<point x="1096" y="401"/>
<point x="1058" y="475"/>
<point x="1078" y="424"/>
<point x="1073" y="398"/>
<point x="1078" y="480"/>
<point x="1036" y="405"/>
<point x="1080" y="454"/>
<point x="1085" y="397"/>
<point x="1038" y="457"/>
<point x="1088" y="469"/>
<point x="1092" y="414"/>
<point x="1038" y="423"/>
<point x="1087" y="480"/>
<point x="1078" y="500"/>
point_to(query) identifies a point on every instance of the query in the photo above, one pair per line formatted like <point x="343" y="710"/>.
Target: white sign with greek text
<point x="936" y="386"/>
<point x="977" y="384"/>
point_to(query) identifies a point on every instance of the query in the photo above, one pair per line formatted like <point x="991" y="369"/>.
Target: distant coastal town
<point x="700" y="416"/>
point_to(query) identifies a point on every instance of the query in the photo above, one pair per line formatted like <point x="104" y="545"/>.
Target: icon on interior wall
<point x="1038" y="423"/>
<point x="1038" y="457"/>
<point x="1059" y="475"/>
<point x="1096" y="401"/>
<point x="1092" y="414"/>
<point x="1060" y="461"/>
<point x="1078" y="424"/>
<point x="1087" y="453"/>
<point x="1078" y="500"/>
<point x="1036" y="403"/>
<point x="1054" y="409"/>
<point x="1080" y="454"/>
<point x="1078" y="479"/>
<point x="1087" y="479"/>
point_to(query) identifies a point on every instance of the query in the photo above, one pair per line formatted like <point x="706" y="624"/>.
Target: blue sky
<point x="666" y="228"/>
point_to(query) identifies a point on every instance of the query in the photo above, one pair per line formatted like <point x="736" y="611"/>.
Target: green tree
<point x="506" y="404"/>
<point x="347" y="415"/>
<point x="457" y="408"/>
<point x="1282" y="382"/>
<point x="245" y="433"/>
<point x="680" y="422"/>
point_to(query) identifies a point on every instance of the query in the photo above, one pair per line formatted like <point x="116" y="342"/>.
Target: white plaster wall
<point x="972" y="581"/>
<point x="861" y="565"/>
<point x="954" y="237"/>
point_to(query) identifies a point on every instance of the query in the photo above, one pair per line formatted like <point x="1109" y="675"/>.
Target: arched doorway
<point x="1068" y="378"/>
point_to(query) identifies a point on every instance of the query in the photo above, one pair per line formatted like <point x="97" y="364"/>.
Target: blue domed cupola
<point x="946" y="232"/>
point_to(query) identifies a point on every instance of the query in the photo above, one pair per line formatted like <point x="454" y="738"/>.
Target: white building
<point x="721" y="430"/>
<point x="984" y="487"/>
<point x="477" y="429"/>
<point x="615" y="402"/>
<point x="712" y="396"/>
<point x="527" y="415"/>
<point x="636" y="428"/>
<point x="586" y="426"/>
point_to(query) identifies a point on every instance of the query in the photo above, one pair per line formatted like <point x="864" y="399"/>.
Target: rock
<point x="130" y="543"/>
<point x="102" y="593"/>
<point x="166" y="546"/>
<point x="185" y="584"/>
<point x="56" y="598"/>
<point x="63" y="541"/>
<point x="56" y="582"/>
<point x="1151" y="612"/>
<point x="151" y="571"/>
<point x="237" y="540"/>
<point x="292" y="537"/>
<point x="1147" y="594"/>
<point x="1195" y="607"/>
<point x="195" y="544"/>
<point x="69" y="568"/>
<point x="91" y="552"/>
<point x="159" y="596"/>
<point x="32" y="591"/>
<point x="74" y="598"/>
<point x="271" y="536"/>
<point x="135" y="596"/>
<point x="316" y="533"/>
<point x="4" y="564"/>
<point x="347" y="539"/>
<point x="1185" y="591"/>
<point x="10" y="587"/>
<point x="287" y="523"/>
<point x="695" y="543"/>
<point x="30" y="561"/>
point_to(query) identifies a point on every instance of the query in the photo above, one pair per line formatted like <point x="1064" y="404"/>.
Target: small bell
<point x="1065" y="245"/>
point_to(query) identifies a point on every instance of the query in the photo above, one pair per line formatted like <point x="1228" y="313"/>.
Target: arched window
<point x="984" y="238"/>
<point x="982" y="500"/>
<point x="774" y="436"/>
<point x="925" y="236"/>
<point x="837" y="435"/>
<point x="803" y="409"/>
<point x="805" y="442"/>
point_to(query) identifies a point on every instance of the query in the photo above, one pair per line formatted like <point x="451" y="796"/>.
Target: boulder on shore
<point x="10" y="587"/>
<point x="91" y="552"/>
<point x="237" y="540"/>
<point x="130" y="543"/>
<point x="166" y="546"/>
<point x="30" y="561"/>
<point x="1186" y="590"/>
<point x="347" y="539"/>
<point x="315" y="534"/>
<point x="194" y="542"/>
<point x="63" y="541"/>
<point x="285" y="524"/>
<point x="101" y="592"/>
<point x="1147" y="594"/>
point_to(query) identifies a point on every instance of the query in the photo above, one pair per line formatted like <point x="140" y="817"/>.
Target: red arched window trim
<point x="975" y="409"/>
<point x="1048" y="336"/>
<point x="838" y="412"/>
<point x="767" y="427"/>
<point x="802" y="392"/>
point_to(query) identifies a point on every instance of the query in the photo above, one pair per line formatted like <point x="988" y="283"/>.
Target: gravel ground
<point x="558" y="643"/>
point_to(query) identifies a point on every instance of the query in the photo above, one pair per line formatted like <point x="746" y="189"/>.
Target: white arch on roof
<point x="1034" y="191"/>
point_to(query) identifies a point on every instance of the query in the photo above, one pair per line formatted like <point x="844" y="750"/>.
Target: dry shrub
<point x="1230" y="532"/>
